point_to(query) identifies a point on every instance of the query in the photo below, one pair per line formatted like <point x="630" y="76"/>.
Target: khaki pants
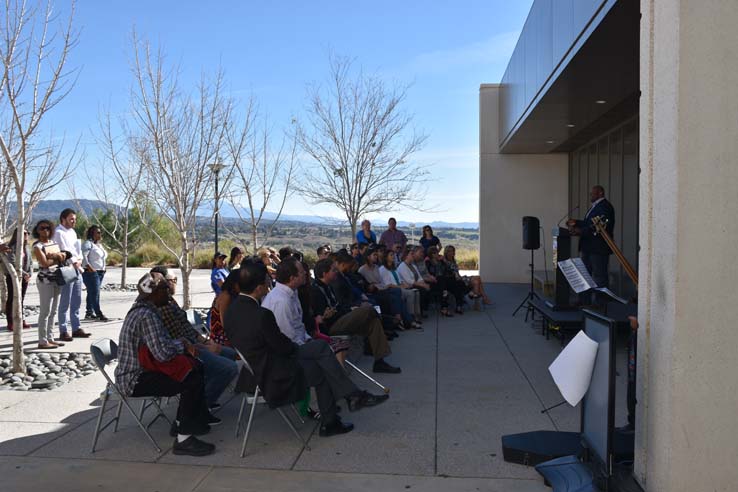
<point x="363" y="321"/>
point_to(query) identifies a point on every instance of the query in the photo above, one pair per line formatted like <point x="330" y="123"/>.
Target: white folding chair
<point x="254" y="400"/>
<point x="103" y="352"/>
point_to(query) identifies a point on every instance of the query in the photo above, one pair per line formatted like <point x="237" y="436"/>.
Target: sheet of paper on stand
<point x="577" y="275"/>
<point x="572" y="369"/>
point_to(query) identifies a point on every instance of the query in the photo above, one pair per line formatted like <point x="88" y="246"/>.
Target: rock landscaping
<point x="46" y="371"/>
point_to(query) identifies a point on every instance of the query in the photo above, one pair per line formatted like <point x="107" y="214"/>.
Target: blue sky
<point x="274" y="49"/>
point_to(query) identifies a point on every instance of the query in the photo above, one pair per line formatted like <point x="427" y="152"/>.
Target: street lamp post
<point x="216" y="167"/>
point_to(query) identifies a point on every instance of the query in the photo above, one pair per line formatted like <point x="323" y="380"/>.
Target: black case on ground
<point x="532" y="448"/>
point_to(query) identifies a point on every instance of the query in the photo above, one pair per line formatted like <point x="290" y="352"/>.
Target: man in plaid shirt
<point x="218" y="361"/>
<point x="143" y="326"/>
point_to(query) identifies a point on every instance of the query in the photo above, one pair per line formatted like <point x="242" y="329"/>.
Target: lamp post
<point x="216" y="167"/>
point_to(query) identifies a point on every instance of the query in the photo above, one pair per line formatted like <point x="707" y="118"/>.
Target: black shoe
<point x="215" y="406"/>
<point x="213" y="420"/>
<point x="103" y="318"/>
<point x="335" y="428"/>
<point x="362" y="399"/>
<point x="90" y="316"/>
<point x="382" y="366"/>
<point x="192" y="446"/>
<point x="199" y="431"/>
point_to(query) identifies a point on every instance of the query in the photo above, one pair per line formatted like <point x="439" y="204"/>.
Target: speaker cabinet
<point x="531" y="233"/>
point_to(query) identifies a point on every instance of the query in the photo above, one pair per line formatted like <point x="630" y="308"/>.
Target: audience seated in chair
<point x="410" y="275"/>
<point x="410" y="296"/>
<point x="143" y="329"/>
<point x="388" y="298"/>
<point x="218" y="361"/>
<point x="346" y="318"/>
<point x="475" y="283"/>
<point x="283" y="369"/>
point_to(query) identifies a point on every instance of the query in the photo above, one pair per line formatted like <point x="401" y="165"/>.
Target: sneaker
<point x="192" y="446"/>
<point x="90" y="317"/>
<point x="213" y="420"/>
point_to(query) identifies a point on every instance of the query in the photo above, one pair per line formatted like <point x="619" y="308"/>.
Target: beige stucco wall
<point x="510" y="187"/>
<point x="687" y="425"/>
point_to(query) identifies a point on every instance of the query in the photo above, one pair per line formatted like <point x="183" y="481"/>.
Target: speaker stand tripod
<point x="531" y="293"/>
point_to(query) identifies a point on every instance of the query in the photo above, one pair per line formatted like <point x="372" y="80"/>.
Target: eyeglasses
<point x="44" y="228"/>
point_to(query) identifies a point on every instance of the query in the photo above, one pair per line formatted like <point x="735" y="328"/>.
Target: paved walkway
<point x="466" y="381"/>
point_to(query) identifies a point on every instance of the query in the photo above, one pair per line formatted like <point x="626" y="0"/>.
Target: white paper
<point x="572" y="369"/>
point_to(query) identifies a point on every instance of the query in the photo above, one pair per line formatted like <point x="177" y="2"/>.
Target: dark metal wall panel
<point x="611" y="160"/>
<point x="551" y="32"/>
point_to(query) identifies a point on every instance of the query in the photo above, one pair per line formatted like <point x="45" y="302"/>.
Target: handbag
<point x="65" y="275"/>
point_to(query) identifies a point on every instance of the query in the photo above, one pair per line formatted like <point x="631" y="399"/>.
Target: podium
<point x="561" y="251"/>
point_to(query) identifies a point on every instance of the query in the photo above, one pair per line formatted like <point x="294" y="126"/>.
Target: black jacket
<point x="589" y="242"/>
<point x="322" y="297"/>
<point x="253" y="330"/>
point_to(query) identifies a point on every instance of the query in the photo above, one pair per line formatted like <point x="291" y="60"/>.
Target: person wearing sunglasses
<point x="49" y="256"/>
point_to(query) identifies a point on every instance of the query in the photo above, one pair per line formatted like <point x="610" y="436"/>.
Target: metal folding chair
<point x="254" y="400"/>
<point x="198" y="323"/>
<point x="354" y="367"/>
<point x="103" y="352"/>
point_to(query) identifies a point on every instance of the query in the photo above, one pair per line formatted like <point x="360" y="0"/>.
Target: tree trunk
<point x="19" y="363"/>
<point x="185" y="270"/>
<point x="125" y="257"/>
<point x="3" y="290"/>
<point x="254" y="237"/>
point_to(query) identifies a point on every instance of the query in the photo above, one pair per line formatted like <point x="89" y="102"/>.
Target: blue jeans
<point x="220" y="370"/>
<point x="70" y="300"/>
<point x="93" y="281"/>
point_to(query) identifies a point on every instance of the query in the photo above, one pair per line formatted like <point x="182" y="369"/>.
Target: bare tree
<point x="361" y="144"/>
<point x="263" y="175"/>
<point x="34" y="80"/>
<point x="180" y="136"/>
<point x="120" y="189"/>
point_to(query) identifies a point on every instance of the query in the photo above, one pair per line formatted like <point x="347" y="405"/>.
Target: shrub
<point x="114" y="259"/>
<point x="467" y="259"/>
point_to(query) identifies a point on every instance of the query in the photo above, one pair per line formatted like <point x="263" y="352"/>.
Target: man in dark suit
<point x="284" y="370"/>
<point x="594" y="251"/>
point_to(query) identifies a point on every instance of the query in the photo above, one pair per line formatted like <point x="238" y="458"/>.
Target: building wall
<point x="510" y="187"/>
<point x="686" y="432"/>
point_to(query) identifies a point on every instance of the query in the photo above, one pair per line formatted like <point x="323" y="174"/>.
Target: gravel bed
<point x="116" y="288"/>
<point x="46" y="371"/>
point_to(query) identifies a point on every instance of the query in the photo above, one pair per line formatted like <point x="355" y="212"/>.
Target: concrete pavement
<point x="466" y="381"/>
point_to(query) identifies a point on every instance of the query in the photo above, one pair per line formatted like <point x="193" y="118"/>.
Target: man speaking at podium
<point x="593" y="249"/>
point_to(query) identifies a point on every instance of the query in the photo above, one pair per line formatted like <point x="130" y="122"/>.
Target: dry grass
<point x="467" y="259"/>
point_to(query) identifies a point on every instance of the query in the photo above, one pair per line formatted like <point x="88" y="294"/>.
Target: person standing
<point x="26" y="269"/>
<point x="49" y="257"/>
<point x="366" y="234"/>
<point x="70" y="299"/>
<point x="394" y="239"/>
<point x="429" y="239"/>
<point x="218" y="272"/>
<point x="593" y="248"/>
<point x="94" y="261"/>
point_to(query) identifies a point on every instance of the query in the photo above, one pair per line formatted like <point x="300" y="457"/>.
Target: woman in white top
<point x="391" y="279"/>
<point x="94" y="261"/>
<point x="49" y="256"/>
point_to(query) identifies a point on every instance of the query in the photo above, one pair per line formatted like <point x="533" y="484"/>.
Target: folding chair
<point x="103" y="352"/>
<point x="254" y="400"/>
<point x="353" y="366"/>
<point x="198" y="323"/>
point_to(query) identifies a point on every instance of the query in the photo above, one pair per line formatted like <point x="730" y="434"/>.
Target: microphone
<point x="558" y="224"/>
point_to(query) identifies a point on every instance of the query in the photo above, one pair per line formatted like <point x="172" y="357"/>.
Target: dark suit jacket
<point x="589" y="243"/>
<point x="319" y="301"/>
<point x="344" y="293"/>
<point x="253" y="330"/>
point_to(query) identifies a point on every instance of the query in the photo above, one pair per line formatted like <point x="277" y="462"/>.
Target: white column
<point x="687" y="416"/>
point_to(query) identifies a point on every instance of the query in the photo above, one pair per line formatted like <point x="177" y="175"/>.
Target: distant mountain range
<point x="50" y="209"/>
